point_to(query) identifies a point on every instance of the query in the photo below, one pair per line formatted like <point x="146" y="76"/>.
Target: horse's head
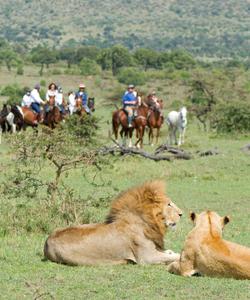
<point x="52" y="100"/>
<point x="183" y="116"/>
<point x="91" y="103"/>
<point x="79" y="103"/>
<point x="5" y="111"/>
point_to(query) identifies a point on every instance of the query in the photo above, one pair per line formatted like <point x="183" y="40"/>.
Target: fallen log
<point x="132" y="151"/>
<point x="246" y="149"/>
<point x="177" y="152"/>
<point x="208" y="152"/>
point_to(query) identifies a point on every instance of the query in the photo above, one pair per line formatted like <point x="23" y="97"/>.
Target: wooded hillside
<point x="205" y="28"/>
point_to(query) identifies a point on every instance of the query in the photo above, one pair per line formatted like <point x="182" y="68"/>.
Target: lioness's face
<point x="171" y="214"/>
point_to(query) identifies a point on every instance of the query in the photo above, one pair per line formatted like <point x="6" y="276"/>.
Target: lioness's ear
<point x="192" y="216"/>
<point x="226" y="220"/>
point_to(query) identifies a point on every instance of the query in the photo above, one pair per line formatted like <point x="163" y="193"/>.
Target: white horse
<point x="177" y="121"/>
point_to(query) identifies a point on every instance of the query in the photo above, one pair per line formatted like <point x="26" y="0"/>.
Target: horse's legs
<point x="130" y="137"/>
<point x="181" y="137"/>
<point x="115" y="130"/>
<point x="175" y="136"/>
<point x="13" y="128"/>
<point x="150" y="134"/>
<point x="171" y="134"/>
<point x="124" y="137"/>
<point x="139" y="135"/>
<point x="157" y="134"/>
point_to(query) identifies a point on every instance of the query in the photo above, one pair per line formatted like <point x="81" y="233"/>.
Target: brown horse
<point x="155" y="121"/>
<point x="53" y="116"/>
<point x="30" y="117"/>
<point x="80" y="110"/>
<point x="119" y="118"/>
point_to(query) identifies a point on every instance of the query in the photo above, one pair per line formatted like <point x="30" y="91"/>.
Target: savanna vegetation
<point x="55" y="178"/>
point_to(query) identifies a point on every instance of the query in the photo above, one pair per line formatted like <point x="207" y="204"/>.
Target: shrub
<point x="89" y="67"/>
<point x="14" y="93"/>
<point x="20" y="70"/>
<point x="132" y="76"/>
<point x="43" y="82"/>
<point x="231" y="117"/>
<point x="56" y="72"/>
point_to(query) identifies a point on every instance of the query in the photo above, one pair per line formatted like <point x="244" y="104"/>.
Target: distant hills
<point x="209" y="28"/>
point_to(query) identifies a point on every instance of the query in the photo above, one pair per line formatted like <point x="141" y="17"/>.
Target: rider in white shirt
<point x="52" y="91"/>
<point x="72" y="102"/>
<point x="36" y="101"/>
<point x="59" y="100"/>
<point x="27" y="100"/>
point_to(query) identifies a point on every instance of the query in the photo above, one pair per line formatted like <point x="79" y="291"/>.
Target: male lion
<point x="205" y="251"/>
<point x="133" y="232"/>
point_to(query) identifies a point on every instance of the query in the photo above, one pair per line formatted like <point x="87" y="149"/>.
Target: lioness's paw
<point x="173" y="268"/>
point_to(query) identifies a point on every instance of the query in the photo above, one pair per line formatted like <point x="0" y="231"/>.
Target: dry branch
<point x="132" y="151"/>
<point x="177" y="152"/>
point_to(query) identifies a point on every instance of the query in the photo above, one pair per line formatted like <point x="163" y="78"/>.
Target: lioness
<point x="133" y="232"/>
<point x="205" y="251"/>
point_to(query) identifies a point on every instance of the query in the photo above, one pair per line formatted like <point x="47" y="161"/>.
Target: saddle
<point x="135" y="112"/>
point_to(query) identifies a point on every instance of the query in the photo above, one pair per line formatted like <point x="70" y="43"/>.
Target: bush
<point x="43" y="82"/>
<point x="19" y="70"/>
<point x="132" y="76"/>
<point x="89" y="67"/>
<point x="14" y="93"/>
<point x="231" y="117"/>
<point x="56" y="72"/>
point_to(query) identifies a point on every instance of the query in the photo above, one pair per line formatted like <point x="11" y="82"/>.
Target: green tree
<point x="89" y="67"/>
<point x="104" y="59"/>
<point x="132" y="76"/>
<point x="68" y="54"/>
<point x="8" y="56"/>
<point x="147" y="58"/>
<point x="120" y="57"/>
<point x="43" y="56"/>
<point x="90" y="52"/>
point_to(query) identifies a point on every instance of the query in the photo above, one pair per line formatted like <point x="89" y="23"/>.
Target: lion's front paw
<point x="173" y="256"/>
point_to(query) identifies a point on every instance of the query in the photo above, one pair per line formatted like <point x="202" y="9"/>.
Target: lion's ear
<point x="192" y="216"/>
<point x="226" y="220"/>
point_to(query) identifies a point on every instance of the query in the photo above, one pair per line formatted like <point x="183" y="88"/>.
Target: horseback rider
<point x="27" y="100"/>
<point x="129" y="101"/>
<point x="52" y="91"/>
<point x="37" y="101"/>
<point x="72" y="102"/>
<point x="154" y="103"/>
<point x="82" y="94"/>
<point x="59" y="100"/>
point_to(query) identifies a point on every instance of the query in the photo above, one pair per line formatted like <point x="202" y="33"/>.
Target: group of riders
<point x="33" y="100"/>
<point x="130" y="100"/>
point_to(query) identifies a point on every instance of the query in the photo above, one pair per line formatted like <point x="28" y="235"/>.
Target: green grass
<point x="219" y="183"/>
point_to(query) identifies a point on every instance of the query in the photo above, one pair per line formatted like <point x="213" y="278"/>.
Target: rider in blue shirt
<point x="84" y="96"/>
<point x="129" y="101"/>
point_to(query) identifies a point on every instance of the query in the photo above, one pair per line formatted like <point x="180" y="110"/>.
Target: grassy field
<point x="219" y="183"/>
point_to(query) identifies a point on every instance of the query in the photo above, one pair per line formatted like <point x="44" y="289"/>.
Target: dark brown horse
<point x="53" y="116"/>
<point x="155" y="121"/>
<point x="119" y="118"/>
<point x="3" y="118"/>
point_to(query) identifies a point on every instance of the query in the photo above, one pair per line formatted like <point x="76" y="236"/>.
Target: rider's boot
<point x="129" y="122"/>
